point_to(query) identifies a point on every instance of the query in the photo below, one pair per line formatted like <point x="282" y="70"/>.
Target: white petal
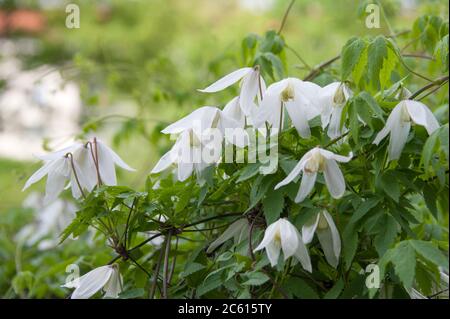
<point x="422" y="115"/>
<point x="227" y="80"/>
<point x="295" y="172"/>
<point x="234" y="229"/>
<point x="334" y="179"/>
<point x="331" y="241"/>
<point x="273" y="252"/>
<point x="92" y="282"/>
<point x="333" y="156"/>
<point x="39" y="174"/>
<point x="270" y="108"/>
<point x="289" y="238"/>
<point x="60" y="153"/>
<point x="201" y="118"/>
<point x="106" y="165"/>
<point x="85" y="162"/>
<point x="398" y="138"/>
<point x="306" y="185"/>
<point x="269" y="235"/>
<point x="309" y="229"/>
<point x="116" y="158"/>
<point x="302" y="254"/>
<point x="234" y="111"/>
<point x="334" y="128"/>
<point x="113" y="286"/>
<point x="393" y="119"/>
<point x="164" y="162"/>
<point x="249" y="90"/>
<point x="55" y="183"/>
<point x="185" y="170"/>
<point x="306" y="94"/>
<point x="298" y="116"/>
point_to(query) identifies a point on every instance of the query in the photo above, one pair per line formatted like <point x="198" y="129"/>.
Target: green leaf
<point x="428" y="251"/>
<point x="212" y="282"/>
<point x="273" y="204"/>
<point x="350" y="244"/>
<point x="190" y="268"/>
<point x="132" y="293"/>
<point x="256" y="279"/>
<point x="387" y="233"/>
<point x="334" y="292"/>
<point x="389" y="184"/>
<point x="363" y="209"/>
<point x="403" y="258"/>
<point x="351" y="53"/>
<point x="377" y="52"/>
<point x="388" y="66"/>
<point x="300" y="289"/>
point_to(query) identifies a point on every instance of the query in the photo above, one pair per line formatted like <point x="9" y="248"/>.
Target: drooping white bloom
<point x="75" y="164"/>
<point x="106" y="277"/>
<point x="323" y="225"/>
<point x="239" y="230"/>
<point x="187" y="155"/>
<point x="107" y="159"/>
<point x="282" y="235"/>
<point x="252" y="86"/>
<point x="315" y="161"/>
<point x="332" y="101"/>
<point x="59" y="169"/>
<point x="399" y="122"/>
<point x="202" y="119"/>
<point x="297" y="97"/>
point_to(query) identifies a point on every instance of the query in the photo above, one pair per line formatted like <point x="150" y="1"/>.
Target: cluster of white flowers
<point x="260" y="106"/>
<point x="83" y="166"/>
<point x="80" y="166"/>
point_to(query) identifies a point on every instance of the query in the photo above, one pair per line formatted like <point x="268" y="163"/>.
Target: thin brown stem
<point x="436" y="82"/>
<point x="285" y="16"/>
<point x="155" y="277"/>
<point x="74" y="171"/>
<point x="166" y="265"/>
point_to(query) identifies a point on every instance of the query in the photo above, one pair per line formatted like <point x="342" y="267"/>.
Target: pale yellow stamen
<point x="288" y="93"/>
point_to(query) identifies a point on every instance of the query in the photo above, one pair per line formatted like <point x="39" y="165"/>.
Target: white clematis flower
<point x="252" y="86"/>
<point x="186" y="155"/>
<point x="239" y="230"/>
<point x="282" y="235"/>
<point x="106" y="277"/>
<point x="332" y="100"/>
<point x="59" y="168"/>
<point x="315" y="161"/>
<point x="107" y="159"/>
<point x="323" y="225"/>
<point x="297" y="97"/>
<point x="203" y="119"/>
<point x="399" y="122"/>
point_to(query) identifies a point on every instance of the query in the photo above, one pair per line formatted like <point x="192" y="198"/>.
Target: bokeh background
<point x="132" y="67"/>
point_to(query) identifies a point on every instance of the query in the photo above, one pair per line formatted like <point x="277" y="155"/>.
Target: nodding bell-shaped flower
<point x="252" y="86"/>
<point x="282" y="235"/>
<point x="315" y="161"/>
<point x="297" y="97"/>
<point x="77" y="164"/>
<point x="59" y="168"/>
<point x="106" y="277"/>
<point x="399" y="122"/>
<point x="323" y="225"/>
<point x="239" y="230"/>
<point x="332" y="101"/>
<point x="204" y="118"/>
<point x="187" y="155"/>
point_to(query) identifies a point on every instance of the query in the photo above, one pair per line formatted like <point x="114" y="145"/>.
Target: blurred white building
<point x="35" y="105"/>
